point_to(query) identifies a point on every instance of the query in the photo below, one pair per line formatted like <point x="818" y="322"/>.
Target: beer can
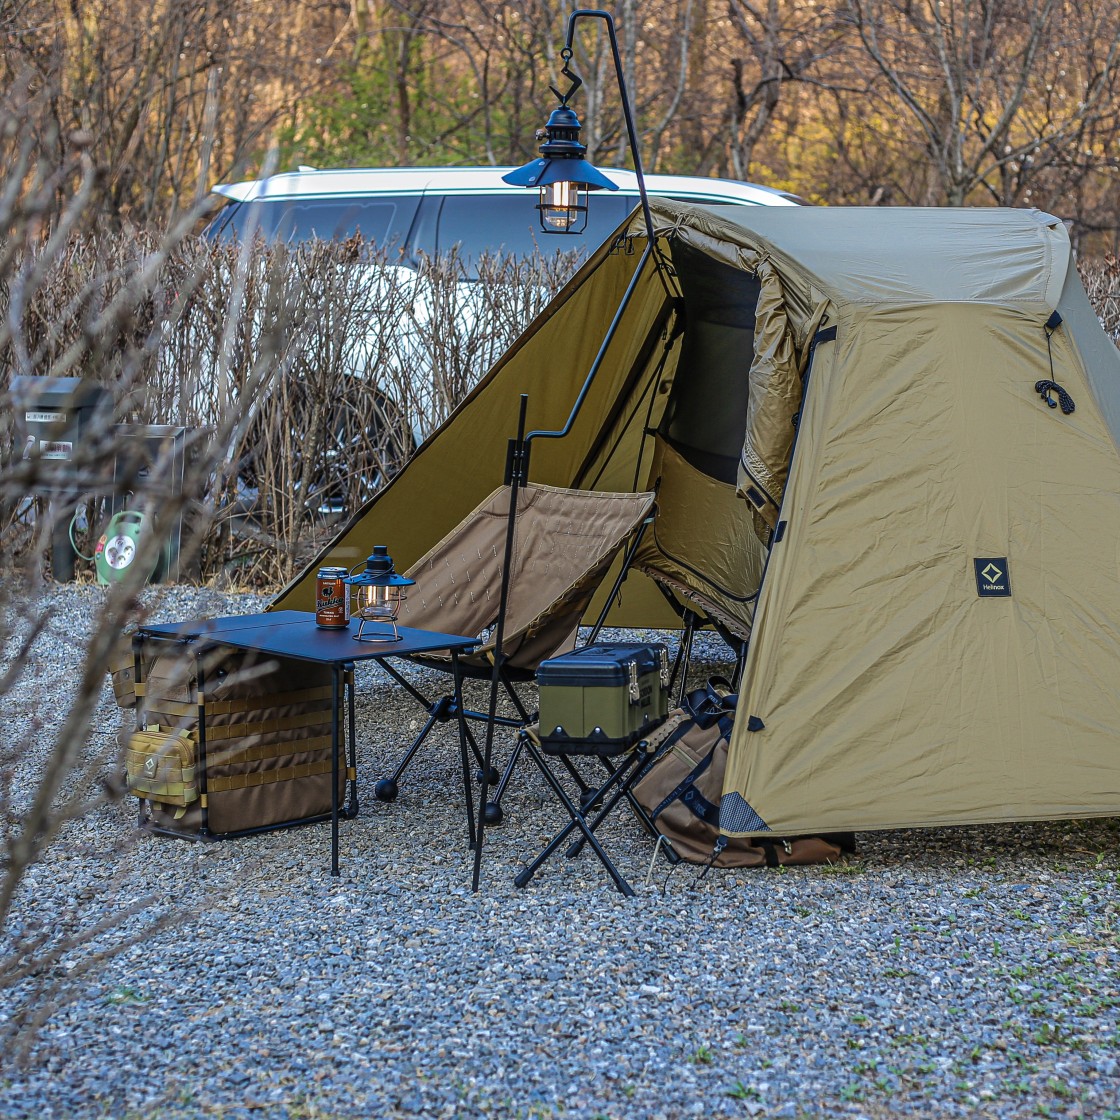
<point x="332" y="599"/>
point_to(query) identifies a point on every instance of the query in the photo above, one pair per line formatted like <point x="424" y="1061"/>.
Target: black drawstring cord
<point x="1045" y="387"/>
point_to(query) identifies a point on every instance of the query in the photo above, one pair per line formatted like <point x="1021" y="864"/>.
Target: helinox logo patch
<point x="993" y="576"/>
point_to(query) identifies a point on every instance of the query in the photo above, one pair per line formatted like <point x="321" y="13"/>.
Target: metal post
<point x="336" y="669"/>
<point x="517" y="471"/>
<point x="631" y="132"/>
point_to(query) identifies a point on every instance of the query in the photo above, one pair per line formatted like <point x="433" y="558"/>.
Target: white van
<point x="430" y="210"/>
<point x="426" y="212"/>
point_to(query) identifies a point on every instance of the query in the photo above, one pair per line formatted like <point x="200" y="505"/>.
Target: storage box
<point x="252" y="753"/>
<point x="602" y="698"/>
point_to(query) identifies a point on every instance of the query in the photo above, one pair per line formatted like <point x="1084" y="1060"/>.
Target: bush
<point x="335" y="361"/>
<point x="1101" y="278"/>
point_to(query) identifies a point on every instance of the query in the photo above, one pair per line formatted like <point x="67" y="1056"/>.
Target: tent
<point x="885" y="447"/>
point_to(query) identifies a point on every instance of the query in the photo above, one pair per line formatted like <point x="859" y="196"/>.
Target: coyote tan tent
<point x="885" y="446"/>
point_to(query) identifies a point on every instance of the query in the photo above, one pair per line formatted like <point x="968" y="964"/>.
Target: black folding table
<point x="293" y="634"/>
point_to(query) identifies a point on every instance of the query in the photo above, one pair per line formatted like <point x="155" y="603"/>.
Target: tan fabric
<point x="564" y="541"/>
<point x="887" y="693"/>
<point x="885" y="256"/>
<point x="891" y="694"/>
<point x="775" y="400"/>
<point x="122" y="672"/>
<point x="703" y="546"/>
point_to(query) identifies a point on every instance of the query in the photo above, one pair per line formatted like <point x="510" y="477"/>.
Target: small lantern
<point x="378" y="594"/>
<point x="562" y="174"/>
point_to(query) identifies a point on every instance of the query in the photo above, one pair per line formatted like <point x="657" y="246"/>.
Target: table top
<point x="294" y="634"/>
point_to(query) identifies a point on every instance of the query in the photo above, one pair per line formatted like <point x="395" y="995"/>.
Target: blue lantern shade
<point x="562" y="175"/>
<point x="378" y="594"/>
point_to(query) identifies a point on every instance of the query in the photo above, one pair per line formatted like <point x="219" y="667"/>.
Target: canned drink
<point x="332" y="599"/>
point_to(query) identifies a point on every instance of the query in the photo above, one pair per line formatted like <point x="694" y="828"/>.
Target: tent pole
<point x="607" y="340"/>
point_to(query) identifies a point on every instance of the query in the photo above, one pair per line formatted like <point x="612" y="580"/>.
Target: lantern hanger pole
<point x="517" y="474"/>
<point x="631" y="132"/>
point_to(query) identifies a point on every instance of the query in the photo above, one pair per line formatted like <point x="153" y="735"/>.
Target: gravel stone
<point x="941" y="973"/>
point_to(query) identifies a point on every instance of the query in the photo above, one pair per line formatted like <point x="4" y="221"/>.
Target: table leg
<point x="352" y="800"/>
<point x="484" y="792"/>
<point x="203" y="778"/>
<point x="336" y="669"/>
<point x="137" y="647"/>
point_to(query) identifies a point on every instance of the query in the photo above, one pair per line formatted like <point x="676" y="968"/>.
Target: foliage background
<point x="1012" y="102"/>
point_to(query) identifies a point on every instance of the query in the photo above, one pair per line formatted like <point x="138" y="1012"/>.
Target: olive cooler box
<point x="603" y="698"/>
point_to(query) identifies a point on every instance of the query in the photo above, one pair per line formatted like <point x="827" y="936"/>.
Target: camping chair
<point x="564" y="544"/>
<point x="696" y="611"/>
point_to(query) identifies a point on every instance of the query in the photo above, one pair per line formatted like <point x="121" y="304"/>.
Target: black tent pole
<point x="516" y="475"/>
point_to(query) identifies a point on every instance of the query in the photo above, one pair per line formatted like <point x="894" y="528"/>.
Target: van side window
<point x="510" y="224"/>
<point x="381" y="221"/>
<point x="480" y="224"/>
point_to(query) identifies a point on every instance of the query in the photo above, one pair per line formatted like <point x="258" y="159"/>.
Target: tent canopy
<point x="841" y="401"/>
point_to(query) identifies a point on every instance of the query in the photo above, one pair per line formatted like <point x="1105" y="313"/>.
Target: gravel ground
<point x="966" y="972"/>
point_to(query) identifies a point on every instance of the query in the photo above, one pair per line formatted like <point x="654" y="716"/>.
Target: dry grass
<point x="334" y="361"/>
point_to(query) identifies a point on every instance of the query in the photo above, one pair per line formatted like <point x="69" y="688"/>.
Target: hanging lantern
<point x="562" y="175"/>
<point x="378" y="592"/>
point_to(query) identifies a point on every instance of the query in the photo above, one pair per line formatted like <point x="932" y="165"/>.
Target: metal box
<point x="602" y="698"/>
<point x="60" y="422"/>
<point x="138" y="448"/>
<point x="55" y="415"/>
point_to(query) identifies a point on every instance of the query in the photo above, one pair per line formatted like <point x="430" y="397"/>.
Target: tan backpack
<point x="681" y="793"/>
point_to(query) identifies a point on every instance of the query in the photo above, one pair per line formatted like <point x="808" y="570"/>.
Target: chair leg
<point x="740" y="665"/>
<point x="388" y="788"/>
<point x="684" y="656"/>
<point x="639" y="809"/>
<point x="494" y="812"/>
<point x="442" y="710"/>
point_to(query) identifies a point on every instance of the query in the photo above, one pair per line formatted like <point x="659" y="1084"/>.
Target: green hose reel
<point x="120" y="546"/>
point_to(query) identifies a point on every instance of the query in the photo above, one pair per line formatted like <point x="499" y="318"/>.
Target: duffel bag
<point x="681" y="792"/>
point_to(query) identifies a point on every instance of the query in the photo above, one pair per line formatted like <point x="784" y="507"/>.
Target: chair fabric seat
<point x="564" y="543"/>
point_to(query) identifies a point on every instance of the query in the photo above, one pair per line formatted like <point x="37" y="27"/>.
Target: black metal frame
<point x="593" y="806"/>
<point x="627" y="112"/>
<point x="517" y="463"/>
<point x="443" y="710"/>
<point x="694" y="620"/>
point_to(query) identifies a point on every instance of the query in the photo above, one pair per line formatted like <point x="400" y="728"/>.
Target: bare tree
<point x="1002" y="96"/>
<point x="776" y="45"/>
<point x="51" y="773"/>
<point x="165" y="95"/>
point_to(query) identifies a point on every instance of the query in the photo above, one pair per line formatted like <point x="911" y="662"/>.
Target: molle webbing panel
<point x="267" y="733"/>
